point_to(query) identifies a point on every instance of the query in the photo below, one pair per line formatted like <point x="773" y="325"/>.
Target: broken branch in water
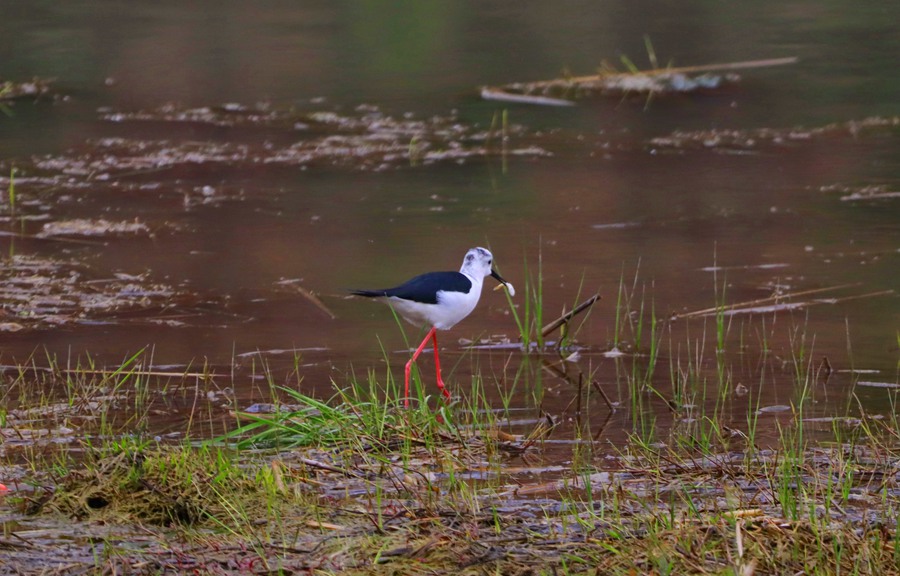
<point x="546" y="330"/>
<point x="657" y="80"/>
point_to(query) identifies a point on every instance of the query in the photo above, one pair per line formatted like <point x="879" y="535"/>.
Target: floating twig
<point x="656" y="80"/>
<point x="498" y="94"/>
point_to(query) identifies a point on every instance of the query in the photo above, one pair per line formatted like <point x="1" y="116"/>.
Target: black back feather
<point x="423" y="288"/>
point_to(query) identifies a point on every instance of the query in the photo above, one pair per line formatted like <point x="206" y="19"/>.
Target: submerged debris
<point x="726" y="140"/>
<point x="37" y="292"/>
<point x="84" y="227"/>
<point x="226" y="115"/>
<point x="863" y="193"/>
<point x="369" y="140"/>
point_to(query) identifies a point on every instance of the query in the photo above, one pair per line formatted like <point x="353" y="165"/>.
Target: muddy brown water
<point x="197" y="166"/>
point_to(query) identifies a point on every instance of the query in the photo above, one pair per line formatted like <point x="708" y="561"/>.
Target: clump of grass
<point x="312" y="422"/>
<point x="154" y="484"/>
<point x="363" y="416"/>
<point x="529" y="323"/>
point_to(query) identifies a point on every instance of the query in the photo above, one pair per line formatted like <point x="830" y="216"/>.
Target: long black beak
<point x="498" y="278"/>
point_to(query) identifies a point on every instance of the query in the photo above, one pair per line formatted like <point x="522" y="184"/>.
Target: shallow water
<point x="235" y="218"/>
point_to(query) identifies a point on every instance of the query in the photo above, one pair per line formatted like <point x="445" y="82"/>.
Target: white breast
<point x="450" y="309"/>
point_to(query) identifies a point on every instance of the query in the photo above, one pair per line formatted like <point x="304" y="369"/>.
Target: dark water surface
<point x="233" y="241"/>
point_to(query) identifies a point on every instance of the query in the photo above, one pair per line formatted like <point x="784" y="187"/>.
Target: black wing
<point x="423" y="288"/>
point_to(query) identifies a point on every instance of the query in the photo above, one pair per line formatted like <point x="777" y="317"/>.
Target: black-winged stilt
<point x="439" y="300"/>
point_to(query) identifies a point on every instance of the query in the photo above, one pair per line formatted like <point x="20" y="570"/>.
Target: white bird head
<point x="478" y="264"/>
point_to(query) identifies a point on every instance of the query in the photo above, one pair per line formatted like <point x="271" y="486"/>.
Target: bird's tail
<point x="369" y="293"/>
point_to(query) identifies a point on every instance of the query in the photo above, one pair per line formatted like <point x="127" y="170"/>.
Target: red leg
<point x="437" y="365"/>
<point x="431" y="333"/>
